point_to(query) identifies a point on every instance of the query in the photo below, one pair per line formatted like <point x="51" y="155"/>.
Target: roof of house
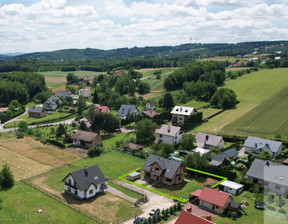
<point x="126" y="110"/>
<point x="232" y="184"/>
<point x="54" y="100"/>
<point x="101" y="108"/>
<point x="150" y="113"/>
<point x="230" y="153"/>
<point x="196" y="193"/>
<point x="183" y="110"/>
<point x="63" y="93"/>
<point x="88" y="78"/>
<point x="217" y="159"/>
<point x="35" y="109"/>
<point x="85" y="89"/>
<point x="169" y="167"/>
<point x="3" y="109"/>
<point x="285" y="161"/>
<point x="152" y="103"/>
<point x="189" y="218"/>
<point x="135" y="146"/>
<point x="214" y="197"/>
<point x="262" y="144"/>
<point x="203" y="138"/>
<point x="268" y="171"/>
<point x="84" y="136"/>
<point x="85" y="177"/>
<point x="168" y="130"/>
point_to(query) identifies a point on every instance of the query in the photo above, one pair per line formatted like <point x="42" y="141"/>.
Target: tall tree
<point x="95" y="97"/>
<point x="81" y="105"/>
<point x="145" y="130"/>
<point x="6" y="177"/>
<point x="168" y="101"/>
<point x="187" y="142"/>
<point x="60" y="130"/>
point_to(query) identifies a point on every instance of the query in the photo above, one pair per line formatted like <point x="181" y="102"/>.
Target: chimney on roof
<point x="189" y="209"/>
<point x="86" y="170"/>
<point x="168" y="129"/>
<point x="267" y="163"/>
<point x="255" y="145"/>
<point x="207" y="137"/>
<point x="267" y="145"/>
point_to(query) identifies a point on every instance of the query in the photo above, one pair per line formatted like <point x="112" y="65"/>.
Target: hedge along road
<point x="69" y="121"/>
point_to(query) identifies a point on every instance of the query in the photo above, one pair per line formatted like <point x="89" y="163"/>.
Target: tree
<point x="281" y="202"/>
<point x="226" y="98"/>
<point x="265" y="155"/>
<point x="145" y="130"/>
<point x="6" y="176"/>
<point x="168" y="101"/>
<point x="95" y="97"/>
<point x="23" y="126"/>
<point x="72" y="78"/>
<point x="13" y="105"/>
<point x="165" y="150"/>
<point x="187" y="142"/>
<point x="143" y="87"/>
<point x="83" y="126"/>
<point x="81" y="105"/>
<point x="95" y="151"/>
<point x="60" y="130"/>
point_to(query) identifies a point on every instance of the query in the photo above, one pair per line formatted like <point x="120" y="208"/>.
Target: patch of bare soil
<point x="78" y="151"/>
<point x="209" y="182"/>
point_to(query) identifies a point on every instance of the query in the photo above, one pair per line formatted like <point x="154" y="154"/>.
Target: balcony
<point x="70" y="185"/>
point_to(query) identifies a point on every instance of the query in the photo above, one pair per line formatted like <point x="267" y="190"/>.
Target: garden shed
<point x="231" y="187"/>
<point x="133" y="176"/>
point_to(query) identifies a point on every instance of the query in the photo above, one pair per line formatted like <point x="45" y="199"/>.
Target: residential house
<point x="231" y="187"/>
<point x="37" y="111"/>
<point x="85" y="183"/>
<point x="187" y="217"/>
<point x="179" y="114"/>
<point x="163" y="170"/>
<point x="150" y="114"/>
<point x="52" y="103"/>
<point x="88" y="80"/>
<point x="151" y="105"/>
<point x="169" y="134"/>
<point x="3" y="110"/>
<point x="86" y="139"/>
<point x="285" y="162"/>
<point x="131" y="146"/>
<point x="126" y="110"/>
<point x="63" y="93"/>
<point x="230" y="154"/>
<point x="208" y="141"/>
<point x="85" y="92"/>
<point x="214" y="200"/>
<point x="102" y="109"/>
<point x="273" y="176"/>
<point x="257" y="145"/>
<point x="218" y="160"/>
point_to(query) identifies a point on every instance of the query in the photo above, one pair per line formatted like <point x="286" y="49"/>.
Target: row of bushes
<point x="8" y="116"/>
<point x="51" y="120"/>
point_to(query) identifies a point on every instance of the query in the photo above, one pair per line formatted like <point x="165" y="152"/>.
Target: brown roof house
<point x="86" y="139"/>
<point x="163" y="170"/>
<point x="37" y="111"/>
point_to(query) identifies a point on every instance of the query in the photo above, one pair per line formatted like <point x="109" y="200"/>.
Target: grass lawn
<point x="126" y="191"/>
<point x="196" y="104"/>
<point x="255" y="216"/>
<point x="109" y="141"/>
<point x="207" y="112"/>
<point x="20" y="205"/>
<point x="64" y="74"/>
<point x="224" y="58"/>
<point x="251" y="89"/>
<point x="150" y="72"/>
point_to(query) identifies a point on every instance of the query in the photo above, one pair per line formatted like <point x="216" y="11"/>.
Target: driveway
<point x="154" y="201"/>
<point x="242" y="152"/>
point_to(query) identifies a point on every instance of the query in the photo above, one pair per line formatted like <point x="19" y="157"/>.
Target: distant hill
<point x="220" y="49"/>
<point x="4" y="57"/>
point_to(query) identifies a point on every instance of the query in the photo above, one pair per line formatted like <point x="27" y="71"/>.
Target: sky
<point x="47" y="25"/>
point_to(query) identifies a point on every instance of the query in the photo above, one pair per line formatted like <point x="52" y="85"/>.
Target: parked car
<point x="153" y="211"/>
<point x="138" y="220"/>
<point x="259" y="205"/>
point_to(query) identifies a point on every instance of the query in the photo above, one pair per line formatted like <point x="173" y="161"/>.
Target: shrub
<point x="95" y="151"/>
<point x="6" y="176"/>
<point x="281" y="210"/>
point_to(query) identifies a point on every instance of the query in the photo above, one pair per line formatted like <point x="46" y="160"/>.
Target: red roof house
<point x="214" y="200"/>
<point x="102" y="109"/>
<point x="285" y="161"/>
<point x="189" y="218"/>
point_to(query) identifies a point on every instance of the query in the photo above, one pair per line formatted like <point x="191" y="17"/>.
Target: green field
<point x="252" y="90"/>
<point x="20" y="205"/>
<point x="64" y="74"/>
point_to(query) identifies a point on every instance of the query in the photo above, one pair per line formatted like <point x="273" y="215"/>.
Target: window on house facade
<point x="180" y="118"/>
<point x="91" y="191"/>
<point x="156" y="168"/>
<point x="160" y="136"/>
<point x="277" y="187"/>
<point x="217" y="207"/>
<point x="168" y="180"/>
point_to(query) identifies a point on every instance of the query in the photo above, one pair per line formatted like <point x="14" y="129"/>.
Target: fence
<point x="83" y="212"/>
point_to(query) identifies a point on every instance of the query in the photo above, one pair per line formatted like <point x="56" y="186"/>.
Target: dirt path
<point x="114" y="191"/>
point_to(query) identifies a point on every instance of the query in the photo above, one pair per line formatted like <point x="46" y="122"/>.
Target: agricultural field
<point x="20" y="205"/>
<point x="28" y="157"/>
<point x="150" y="71"/>
<point x="252" y="90"/>
<point x="224" y="58"/>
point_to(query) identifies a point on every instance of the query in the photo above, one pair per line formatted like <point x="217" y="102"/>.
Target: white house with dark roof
<point x="180" y="113"/>
<point x="85" y="92"/>
<point x="52" y="103"/>
<point x="151" y="105"/>
<point x="273" y="176"/>
<point x="85" y="183"/>
<point x="169" y="134"/>
<point x="126" y="110"/>
<point x="207" y="141"/>
<point x="257" y="145"/>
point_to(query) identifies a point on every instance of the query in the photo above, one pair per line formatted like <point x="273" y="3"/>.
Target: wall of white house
<point x="278" y="189"/>
<point x="167" y="139"/>
<point x="221" y="144"/>
<point x="76" y="142"/>
<point x="94" y="189"/>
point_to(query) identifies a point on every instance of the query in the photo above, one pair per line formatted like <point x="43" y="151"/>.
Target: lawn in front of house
<point x="20" y="205"/>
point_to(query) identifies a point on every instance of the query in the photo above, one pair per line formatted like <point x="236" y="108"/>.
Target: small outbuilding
<point x="231" y="187"/>
<point x="134" y="176"/>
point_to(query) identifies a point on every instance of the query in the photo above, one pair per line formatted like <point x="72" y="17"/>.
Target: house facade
<point x="151" y="105"/>
<point x="102" y="109"/>
<point x="169" y="134"/>
<point x="257" y="145"/>
<point x="86" y="139"/>
<point x="274" y="177"/>
<point x="37" y="111"/>
<point x="52" y="103"/>
<point x="231" y="187"/>
<point x="63" y="93"/>
<point x="85" y="183"/>
<point x="214" y="200"/>
<point x="85" y="92"/>
<point x="126" y="110"/>
<point x="163" y="170"/>
<point x="208" y="141"/>
<point x="179" y="114"/>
